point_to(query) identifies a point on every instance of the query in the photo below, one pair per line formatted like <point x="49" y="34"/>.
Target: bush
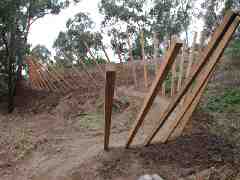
<point x="229" y="101"/>
<point x="233" y="51"/>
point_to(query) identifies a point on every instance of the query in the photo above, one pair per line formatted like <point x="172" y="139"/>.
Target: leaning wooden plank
<point x="180" y="127"/>
<point x="50" y="77"/>
<point x="88" y="74"/>
<point x="46" y="82"/>
<point x="203" y="78"/>
<point x="109" y="95"/>
<point x="162" y="73"/>
<point x="61" y="78"/>
<point x="47" y="77"/>
<point x="94" y="60"/>
<point x="105" y="53"/>
<point x="44" y="77"/>
<point x="31" y="75"/>
<point x="228" y="19"/>
<point x="38" y="77"/>
<point x="182" y="122"/>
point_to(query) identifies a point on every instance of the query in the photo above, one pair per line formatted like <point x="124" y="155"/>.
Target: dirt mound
<point x="175" y="159"/>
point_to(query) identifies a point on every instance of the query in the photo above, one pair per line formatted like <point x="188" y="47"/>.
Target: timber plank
<point x="109" y="95"/>
<point x="218" y="35"/>
<point x="162" y="73"/>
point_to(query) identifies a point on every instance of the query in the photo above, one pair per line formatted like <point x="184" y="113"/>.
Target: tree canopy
<point x="74" y="43"/>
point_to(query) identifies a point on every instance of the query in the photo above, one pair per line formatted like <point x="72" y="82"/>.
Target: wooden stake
<point x="88" y="74"/>
<point x="133" y="64"/>
<point x="144" y="60"/>
<point x="155" y="49"/>
<point x="109" y="95"/>
<point x="162" y="73"/>
<point x="192" y="55"/>
<point x="94" y="60"/>
<point x="105" y="52"/>
<point x="174" y="75"/>
<point x="182" y="123"/>
<point x="218" y="35"/>
<point x="181" y="65"/>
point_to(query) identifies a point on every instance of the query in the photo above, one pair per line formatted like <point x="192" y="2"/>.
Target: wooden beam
<point x="88" y="74"/>
<point x="203" y="79"/>
<point x="162" y="73"/>
<point x="173" y="79"/>
<point x="144" y="60"/>
<point x="51" y="76"/>
<point x="106" y="54"/>
<point x="94" y="60"/>
<point x="192" y="55"/>
<point x="178" y="130"/>
<point x="109" y="95"/>
<point x="181" y="65"/>
<point x="45" y="77"/>
<point x="133" y="66"/>
<point x="214" y="43"/>
<point x="60" y="77"/>
<point x="38" y="75"/>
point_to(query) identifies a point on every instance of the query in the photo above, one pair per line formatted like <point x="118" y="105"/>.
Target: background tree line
<point x="127" y="23"/>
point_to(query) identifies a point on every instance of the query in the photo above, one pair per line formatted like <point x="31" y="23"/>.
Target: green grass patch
<point x="229" y="101"/>
<point x="91" y="121"/>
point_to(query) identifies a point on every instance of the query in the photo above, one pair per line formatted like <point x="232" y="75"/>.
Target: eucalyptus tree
<point x="16" y="19"/>
<point x="74" y="44"/>
<point x="124" y="18"/>
<point x="213" y="12"/>
<point x="170" y="17"/>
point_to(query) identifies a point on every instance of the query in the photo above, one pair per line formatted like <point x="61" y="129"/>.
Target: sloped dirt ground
<point x="55" y="137"/>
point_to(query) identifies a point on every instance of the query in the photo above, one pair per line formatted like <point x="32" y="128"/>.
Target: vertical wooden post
<point x="155" y="49"/>
<point x="192" y="55"/>
<point x="174" y="70"/>
<point x="182" y="60"/>
<point x="109" y="94"/>
<point x="174" y="75"/>
<point x="144" y="61"/>
<point x="132" y="61"/>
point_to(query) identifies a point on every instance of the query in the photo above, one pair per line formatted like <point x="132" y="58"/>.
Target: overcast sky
<point x="46" y="29"/>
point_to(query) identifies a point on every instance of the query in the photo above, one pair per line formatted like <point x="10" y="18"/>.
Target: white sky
<point x="46" y="29"/>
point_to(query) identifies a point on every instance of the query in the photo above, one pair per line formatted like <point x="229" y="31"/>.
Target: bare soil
<point x="60" y="137"/>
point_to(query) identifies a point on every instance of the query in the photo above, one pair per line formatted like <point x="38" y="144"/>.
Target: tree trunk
<point x="11" y="60"/>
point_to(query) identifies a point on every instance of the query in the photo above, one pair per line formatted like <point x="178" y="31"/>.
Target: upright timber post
<point x="109" y="94"/>
<point x="144" y="60"/>
<point x="161" y="75"/>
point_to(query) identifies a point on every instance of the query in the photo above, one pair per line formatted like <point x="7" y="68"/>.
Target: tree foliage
<point x="16" y="18"/>
<point x="166" y="17"/>
<point x="42" y="53"/>
<point x="74" y="43"/>
<point x="214" y="11"/>
<point x="124" y="17"/>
